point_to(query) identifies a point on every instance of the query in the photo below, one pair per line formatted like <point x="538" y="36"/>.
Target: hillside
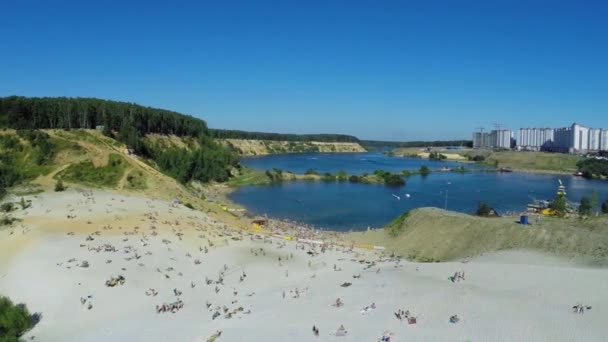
<point x="265" y="147"/>
<point x="430" y="234"/>
<point x="88" y="159"/>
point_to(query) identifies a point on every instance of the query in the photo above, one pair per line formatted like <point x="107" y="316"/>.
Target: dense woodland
<point x="69" y="113"/>
<point x="233" y="134"/>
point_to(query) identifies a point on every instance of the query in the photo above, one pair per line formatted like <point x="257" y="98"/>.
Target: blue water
<point x="345" y="206"/>
<point x="353" y="163"/>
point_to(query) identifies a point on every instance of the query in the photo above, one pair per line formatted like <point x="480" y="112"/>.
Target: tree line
<point x="436" y="143"/>
<point x="236" y="134"/>
<point x="71" y="113"/>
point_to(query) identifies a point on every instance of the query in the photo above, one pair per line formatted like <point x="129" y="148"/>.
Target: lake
<point x="344" y="206"/>
<point x="353" y="163"/>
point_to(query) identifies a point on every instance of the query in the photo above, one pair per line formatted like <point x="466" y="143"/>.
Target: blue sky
<point x="389" y="70"/>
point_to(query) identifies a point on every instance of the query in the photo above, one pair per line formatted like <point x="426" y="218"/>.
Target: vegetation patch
<point x="86" y="173"/>
<point x="593" y="168"/>
<point x="395" y="227"/>
<point x="136" y="180"/>
<point x="15" y="320"/>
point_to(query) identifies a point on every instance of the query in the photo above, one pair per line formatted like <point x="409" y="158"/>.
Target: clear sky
<point x="389" y="70"/>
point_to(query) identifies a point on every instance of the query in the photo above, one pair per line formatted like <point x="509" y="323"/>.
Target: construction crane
<point x="480" y="129"/>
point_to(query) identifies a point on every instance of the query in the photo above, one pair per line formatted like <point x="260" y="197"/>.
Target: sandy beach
<point x="251" y="287"/>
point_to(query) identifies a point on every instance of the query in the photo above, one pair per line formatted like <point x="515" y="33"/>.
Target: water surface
<point x="345" y="206"/>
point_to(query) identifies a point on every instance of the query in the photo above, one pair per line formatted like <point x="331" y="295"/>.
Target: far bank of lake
<point x="344" y="205"/>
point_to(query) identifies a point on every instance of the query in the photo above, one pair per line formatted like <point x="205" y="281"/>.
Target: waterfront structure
<point x="573" y="139"/>
<point x="494" y="139"/>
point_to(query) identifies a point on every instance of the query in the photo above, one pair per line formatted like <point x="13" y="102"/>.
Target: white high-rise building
<point x="503" y="138"/>
<point x="534" y="139"/>
<point x="594" y="139"/>
<point x="494" y="139"/>
<point x="573" y="139"/>
<point x="603" y="139"/>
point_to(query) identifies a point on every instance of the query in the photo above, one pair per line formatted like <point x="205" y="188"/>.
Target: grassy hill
<point x="87" y="158"/>
<point x="539" y="161"/>
<point x="430" y="234"/>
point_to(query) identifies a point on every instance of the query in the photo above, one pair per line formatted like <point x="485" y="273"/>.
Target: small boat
<point x="407" y="195"/>
<point x="506" y="169"/>
<point x="578" y="174"/>
<point x="397" y="197"/>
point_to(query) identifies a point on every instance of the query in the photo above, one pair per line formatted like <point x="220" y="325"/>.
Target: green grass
<point x="136" y="181"/>
<point x="86" y="173"/>
<point x="249" y="177"/>
<point x="533" y="161"/>
<point x="430" y="234"/>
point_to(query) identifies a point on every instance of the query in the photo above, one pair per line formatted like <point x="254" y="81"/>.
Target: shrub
<point x="559" y="205"/>
<point x="393" y="179"/>
<point x="354" y="179"/>
<point x="7" y="207"/>
<point x="605" y="207"/>
<point x="584" y="209"/>
<point x="483" y="209"/>
<point x="24" y="204"/>
<point x="59" y="186"/>
<point x="424" y="170"/>
<point x="436" y="156"/>
<point x="189" y="205"/>
<point x="15" y="320"/>
<point x="311" y="172"/>
<point x="7" y="221"/>
<point x="342" y="175"/>
<point x="328" y="177"/>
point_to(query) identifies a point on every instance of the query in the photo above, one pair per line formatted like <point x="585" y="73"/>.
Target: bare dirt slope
<point x="265" y="147"/>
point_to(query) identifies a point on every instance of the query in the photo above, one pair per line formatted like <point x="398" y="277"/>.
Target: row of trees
<point x="436" y="143"/>
<point x="71" y="113"/>
<point x="235" y="134"/>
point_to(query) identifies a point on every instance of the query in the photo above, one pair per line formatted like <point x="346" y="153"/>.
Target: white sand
<point x="504" y="298"/>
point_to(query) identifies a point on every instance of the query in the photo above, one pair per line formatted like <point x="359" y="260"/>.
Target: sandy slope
<point x="513" y="296"/>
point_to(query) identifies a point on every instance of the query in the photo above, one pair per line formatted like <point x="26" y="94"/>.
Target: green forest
<point x="234" y="134"/>
<point x="70" y="113"/>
